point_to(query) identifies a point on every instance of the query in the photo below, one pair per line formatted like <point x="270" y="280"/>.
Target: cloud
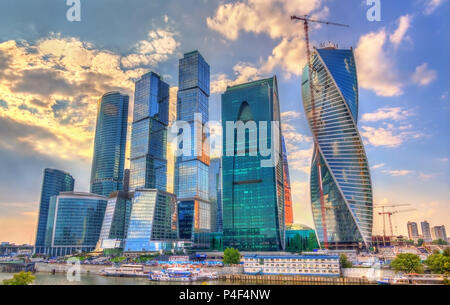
<point x="432" y="5"/>
<point x="290" y="115"/>
<point x="376" y="166"/>
<point x="376" y="69"/>
<point x="404" y="23"/>
<point x="397" y="173"/>
<point x="156" y="48"/>
<point x="389" y="136"/>
<point x="385" y="113"/>
<point x="424" y="76"/>
<point x="270" y="17"/>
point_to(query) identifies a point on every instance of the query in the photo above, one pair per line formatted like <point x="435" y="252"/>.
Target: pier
<point x="295" y="279"/>
<point x="15" y="266"/>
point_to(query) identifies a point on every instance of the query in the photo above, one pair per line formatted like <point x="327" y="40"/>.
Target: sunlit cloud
<point x="423" y="75"/>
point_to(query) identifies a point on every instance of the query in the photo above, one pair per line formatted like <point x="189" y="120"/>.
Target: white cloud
<point x="376" y="69"/>
<point x="423" y="75"/>
<point x="404" y="23"/>
<point x="391" y="113"/>
<point x="397" y="173"/>
<point x="380" y="136"/>
<point x="376" y="166"/>
<point x="270" y="17"/>
<point x="290" y="115"/>
<point x="432" y="5"/>
<point x="156" y="48"/>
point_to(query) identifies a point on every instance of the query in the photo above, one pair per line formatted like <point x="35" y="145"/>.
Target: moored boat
<point x="125" y="271"/>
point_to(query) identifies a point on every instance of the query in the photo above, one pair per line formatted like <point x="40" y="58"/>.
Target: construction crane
<point x="306" y="21"/>
<point x="389" y="214"/>
<point x="386" y="213"/>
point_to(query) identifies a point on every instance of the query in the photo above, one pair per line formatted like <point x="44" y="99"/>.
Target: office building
<point x="288" y="213"/>
<point x="426" y="232"/>
<point x="110" y="143"/>
<point x="438" y="232"/>
<point x="252" y="179"/>
<point x="153" y="222"/>
<point x="340" y="183"/>
<point x="215" y="194"/>
<point x="148" y="161"/>
<point x="54" y="182"/>
<point x="116" y="220"/>
<point x="74" y="223"/>
<point x="192" y="169"/>
<point x="413" y="231"/>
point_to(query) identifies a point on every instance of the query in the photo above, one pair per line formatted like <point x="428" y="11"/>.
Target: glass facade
<point x="110" y="143"/>
<point x="54" y="182"/>
<point x="153" y="219"/>
<point x="215" y="194"/>
<point x="288" y="214"/>
<point x="252" y="195"/>
<point x="74" y="223"/>
<point x="341" y="189"/>
<point x="148" y="167"/>
<point x="191" y="172"/>
<point x="115" y="223"/>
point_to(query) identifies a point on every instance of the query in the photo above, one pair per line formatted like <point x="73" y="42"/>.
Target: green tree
<point x="231" y="256"/>
<point x="345" y="263"/>
<point x="407" y="262"/>
<point x="21" y="278"/>
<point x="446" y="252"/>
<point x="420" y="242"/>
<point x="438" y="263"/>
<point x="439" y="242"/>
<point x="312" y="242"/>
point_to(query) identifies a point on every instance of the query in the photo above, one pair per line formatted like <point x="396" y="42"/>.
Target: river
<point x="61" y="279"/>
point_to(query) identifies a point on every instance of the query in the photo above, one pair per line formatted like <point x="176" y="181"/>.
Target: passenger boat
<point x="125" y="271"/>
<point x="182" y="274"/>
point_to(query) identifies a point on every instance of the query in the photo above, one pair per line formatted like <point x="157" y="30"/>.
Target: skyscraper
<point x="340" y="185"/>
<point x="74" y="222"/>
<point x="153" y="221"/>
<point x="54" y="182"/>
<point x="191" y="171"/>
<point x="413" y="232"/>
<point x="115" y="223"/>
<point x="253" y="195"/>
<point x="439" y="233"/>
<point x="149" y="133"/>
<point x="110" y="143"/>
<point x="288" y="214"/>
<point x="215" y="194"/>
<point x="426" y="232"/>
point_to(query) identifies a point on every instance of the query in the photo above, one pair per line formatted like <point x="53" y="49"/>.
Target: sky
<point x="53" y="71"/>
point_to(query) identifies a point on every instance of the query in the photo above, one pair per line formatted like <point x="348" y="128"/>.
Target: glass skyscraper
<point x="115" y="223"/>
<point x="288" y="214"/>
<point x="74" y="222"/>
<point x="110" y="143"/>
<point x="149" y="133"/>
<point x="215" y="194"/>
<point x="191" y="171"/>
<point x="253" y="195"/>
<point x="54" y="182"/>
<point x="341" y="189"/>
<point x="153" y="221"/>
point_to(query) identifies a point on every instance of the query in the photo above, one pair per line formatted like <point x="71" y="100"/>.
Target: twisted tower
<point x="341" y="189"/>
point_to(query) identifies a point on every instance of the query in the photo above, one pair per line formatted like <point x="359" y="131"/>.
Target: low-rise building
<point x="312" y="265"/>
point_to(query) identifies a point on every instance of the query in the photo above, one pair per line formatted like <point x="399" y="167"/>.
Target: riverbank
<point x="96" y="269"/>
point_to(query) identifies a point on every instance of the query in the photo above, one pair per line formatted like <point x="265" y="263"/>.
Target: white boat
<point x="125" y="271"/>
<point x="182" y="274"/>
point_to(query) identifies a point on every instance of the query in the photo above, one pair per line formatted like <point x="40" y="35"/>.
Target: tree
<point x="312" y="242"/>
<point x="446" y="252"/>
<point x="21" y="278"/>
<point x="407" y="262"/>
<point x="345" y="263"/>
<point x="420" y="242"/>
<point x="438" y="263"/>
<point x="231" y="256"/>
<point x="440" y="242"/>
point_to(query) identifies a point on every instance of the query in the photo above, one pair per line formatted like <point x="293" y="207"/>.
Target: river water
<point x="61" y="279"/>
